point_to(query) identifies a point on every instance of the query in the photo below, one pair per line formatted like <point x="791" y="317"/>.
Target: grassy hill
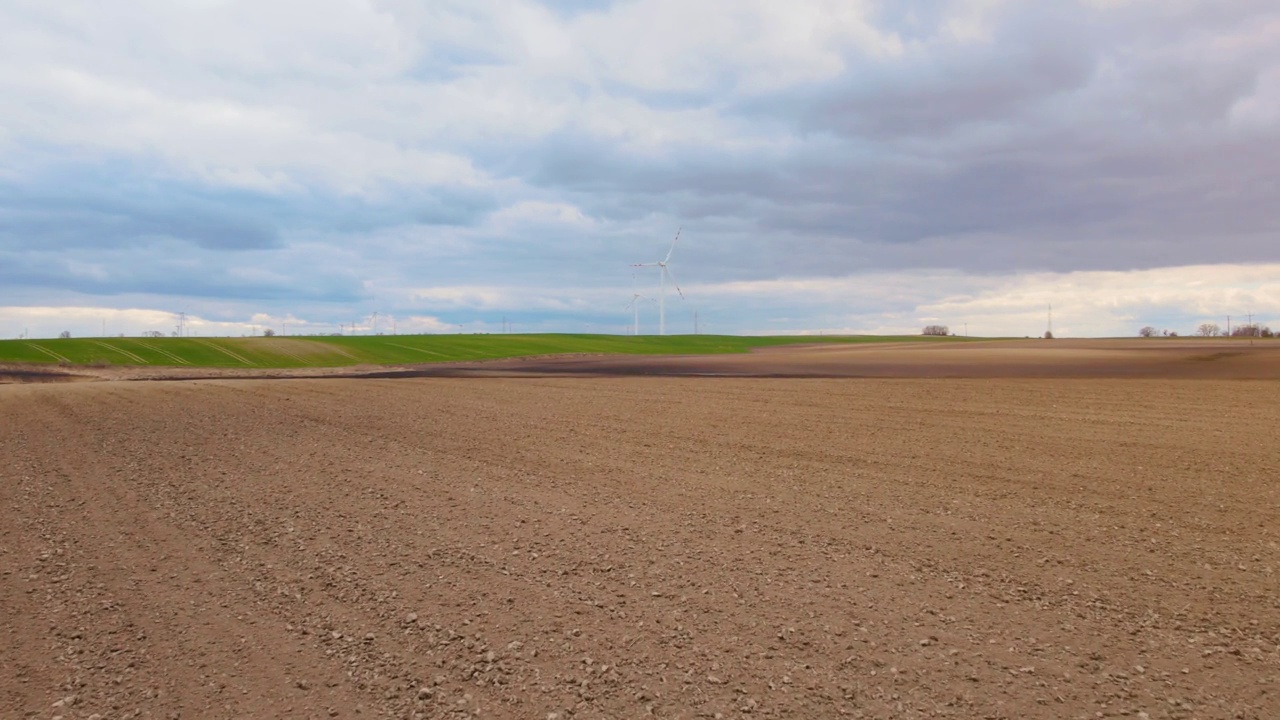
<point x="338" y="351"/>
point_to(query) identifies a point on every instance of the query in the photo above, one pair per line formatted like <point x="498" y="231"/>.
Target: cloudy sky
<point x="836" y="165"/>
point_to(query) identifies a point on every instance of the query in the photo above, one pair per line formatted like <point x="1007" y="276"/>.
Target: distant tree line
<point x="1253" y="330"/>
<point x="1210" y="329"/>
<point x="943" y="330"/>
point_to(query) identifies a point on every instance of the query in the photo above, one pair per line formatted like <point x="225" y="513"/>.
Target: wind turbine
<point x="634" y="307"/>
<point x="664" y="272"/>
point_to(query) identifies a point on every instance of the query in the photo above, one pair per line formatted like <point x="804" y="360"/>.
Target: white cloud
<point x="753" y="46"/>
<point x="1260" y="110"/>
<point x="225" y="141"/>
<point x="80" y="321"/>
<point x="971" y="20"/>
<point x="533" y="212"/>
<point x="1085" y="304"/>
<point x="483" y="298"/>
<point x="230" y="94"/>
<point x="287" y="95"/>
<point x="509" y="298"/>
<point x="420" y="324"/>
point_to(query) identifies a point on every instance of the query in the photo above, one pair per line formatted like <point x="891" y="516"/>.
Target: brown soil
<point x="1166" y="359"/>
<point x="614" y="548"/>
<point x="1236" y="358"/>
<point x="36" y="373"/>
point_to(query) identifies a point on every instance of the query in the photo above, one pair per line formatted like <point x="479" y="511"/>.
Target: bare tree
<point x="64" y="334"/>
<point x="268" y="332"/>
<point x="1252" y="330"/>
<point x="936" y="330"/>
<point x="1208" y="330"/>
<point x="1148" y="331"/>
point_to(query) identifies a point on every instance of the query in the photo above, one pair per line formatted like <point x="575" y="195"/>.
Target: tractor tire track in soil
<point x="624" y="547"/>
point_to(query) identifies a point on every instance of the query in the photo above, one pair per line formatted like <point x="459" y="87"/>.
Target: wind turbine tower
<point x="634" y="305"/>
<point x="664" y="272"/>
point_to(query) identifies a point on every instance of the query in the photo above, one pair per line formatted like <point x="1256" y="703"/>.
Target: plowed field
<point x="624" y="547"/>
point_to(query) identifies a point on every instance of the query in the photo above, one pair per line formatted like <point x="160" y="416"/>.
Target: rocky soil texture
<point x="631" y="547"/>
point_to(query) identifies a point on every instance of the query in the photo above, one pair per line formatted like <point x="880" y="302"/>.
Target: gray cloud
<point x="114" y="204"/>
<point x="166" y="268"/>
<point x="189" y="152"/>
<point x="1107" y="137"/>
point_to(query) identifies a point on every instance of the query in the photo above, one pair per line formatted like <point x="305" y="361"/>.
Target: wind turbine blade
<point x="673" y="281"/>
<point x="674" y="240"/>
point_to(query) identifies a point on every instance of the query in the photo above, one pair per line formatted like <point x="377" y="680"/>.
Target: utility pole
<point x="1050" y="334"/>
<point x="695" y="322"/>
<point x="375" y="322"/>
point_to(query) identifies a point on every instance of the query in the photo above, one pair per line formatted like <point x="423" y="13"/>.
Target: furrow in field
<point x="178" y="359"/>
<point x="417" y="349"/>
<point x="343" y="352"/>
<point x="122" y="351"/>
<point x="227" y="352"/>
<point x="49" y="352"/>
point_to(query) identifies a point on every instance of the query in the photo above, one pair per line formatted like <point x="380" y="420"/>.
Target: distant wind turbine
<point x="664" y="272"/>
<point x="634" y="306"/>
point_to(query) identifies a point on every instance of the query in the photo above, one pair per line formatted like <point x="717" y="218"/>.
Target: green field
<point x="338" y="351"/>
